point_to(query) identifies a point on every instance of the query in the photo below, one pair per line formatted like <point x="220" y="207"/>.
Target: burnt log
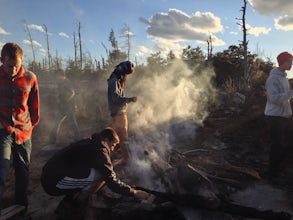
<point x="245" y="170"/>
<point x="226" y="166"/>
<point x="219" y="205"/>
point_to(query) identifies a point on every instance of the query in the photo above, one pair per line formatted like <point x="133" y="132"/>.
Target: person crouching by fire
<point x="117" y="102"/>
<point x="80" y="170"/>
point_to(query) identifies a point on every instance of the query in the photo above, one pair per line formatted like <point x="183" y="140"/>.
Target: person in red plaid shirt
<point x="19" y="114"/>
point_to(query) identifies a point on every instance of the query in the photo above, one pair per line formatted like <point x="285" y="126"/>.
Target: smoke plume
<point x="170" y="107"/>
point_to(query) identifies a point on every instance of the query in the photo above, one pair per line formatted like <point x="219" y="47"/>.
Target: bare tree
<point x="113" y="41"/>
<point x="106" y="50"/>
<point x="103" y="63"/>
<point x="210" y="47"/>
<point x="48" y="47"/>
<point x="58" y="61"/>
<point x="80" y="46"/>
<point x="244" y="43"/>
<point x="31" y="43"/>
<point x="98" y="65"/>
<point x="75" y="44"/>
<point x="126" y="33"/>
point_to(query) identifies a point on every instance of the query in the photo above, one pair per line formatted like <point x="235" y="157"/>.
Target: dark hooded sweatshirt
<point x="76" y="161"/>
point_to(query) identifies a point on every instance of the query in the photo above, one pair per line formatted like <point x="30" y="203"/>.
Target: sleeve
<point x="109" y="175"/>
<point x="34" y="102"/>
<point x="116" y="93"/>
<point x="274" y="92"/>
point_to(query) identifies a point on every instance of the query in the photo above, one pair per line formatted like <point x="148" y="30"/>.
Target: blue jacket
<point x="117" y="102"/>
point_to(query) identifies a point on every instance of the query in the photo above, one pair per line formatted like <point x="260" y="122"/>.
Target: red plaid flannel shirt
<point x="19" y="103"/>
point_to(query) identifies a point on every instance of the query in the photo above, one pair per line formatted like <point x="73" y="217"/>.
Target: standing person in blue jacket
<point x="117" y="102"/>
<point x="278" y="113"/>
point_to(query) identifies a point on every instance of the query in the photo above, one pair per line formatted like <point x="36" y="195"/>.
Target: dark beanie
<point x="125" y="67"/>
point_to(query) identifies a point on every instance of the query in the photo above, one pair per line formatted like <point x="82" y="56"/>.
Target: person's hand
<point x="141" y="195"/>
<point x="134" y="98"/>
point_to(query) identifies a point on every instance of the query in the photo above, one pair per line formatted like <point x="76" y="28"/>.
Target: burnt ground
<point x="229" y="136"/>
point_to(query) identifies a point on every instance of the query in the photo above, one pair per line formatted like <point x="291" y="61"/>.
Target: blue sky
<point x="154" y="25"/>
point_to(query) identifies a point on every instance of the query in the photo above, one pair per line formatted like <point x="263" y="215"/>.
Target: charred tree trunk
<point x="32" y="46"/>
<point x="48" y="47"/>
<point x="244" y="43"/>
<point x="80" y="46"/>
<point x="210" y="48"/>
<point x="75" y="44"/>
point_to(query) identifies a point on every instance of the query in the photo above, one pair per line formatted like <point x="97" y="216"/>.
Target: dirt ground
<point x="238" y="138"/>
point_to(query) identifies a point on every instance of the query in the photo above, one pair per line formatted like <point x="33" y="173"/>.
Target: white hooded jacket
<point x="279" y="94"/>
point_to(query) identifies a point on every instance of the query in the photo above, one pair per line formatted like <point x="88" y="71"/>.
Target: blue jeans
<point x="21" y="160"/>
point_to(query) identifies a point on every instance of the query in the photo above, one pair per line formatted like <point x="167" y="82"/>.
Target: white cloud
<point x="256" y="31"/>
<point x="178" y="26"/>
<point x="143" y="49"/>
<point x="284" y="23"/>
<point x="276" y="7"/>
<point x="164" y="46"/>
<point x="233" y="33"/>
<point x="271" y="7"/>
<point x="2" y="31"/>
<point x="43" y="52"/>
<point x="206" y="21"/>
<point x="127" y="33"/>
<point x="36" y="27"/>
<point x="26" y="42"/>
<point x="62" y="34"/>
<point x="36" y="43"/>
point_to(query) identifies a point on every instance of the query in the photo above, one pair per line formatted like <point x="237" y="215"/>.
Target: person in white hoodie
<point x="278" y="113"/>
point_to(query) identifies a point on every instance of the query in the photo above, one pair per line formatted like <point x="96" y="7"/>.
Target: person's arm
<point x="34" y="102"/>
<point x="116" y="185"/>
<point x="116" y="93"/>
<point x="274" y="91"/>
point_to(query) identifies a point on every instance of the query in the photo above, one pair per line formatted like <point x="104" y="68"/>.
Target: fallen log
<point x="206" y="175"/>
<point x="219" y="204"/>
<point x="228" y="167"/>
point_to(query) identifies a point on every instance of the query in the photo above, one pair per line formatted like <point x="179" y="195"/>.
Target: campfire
<point x="181" y="188"/>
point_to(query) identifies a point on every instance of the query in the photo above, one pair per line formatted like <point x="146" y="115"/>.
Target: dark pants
<point x="281" y="135"/>
<point x="21" y="160"/>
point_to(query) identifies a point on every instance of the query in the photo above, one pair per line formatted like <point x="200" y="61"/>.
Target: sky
<point x="154" y="25"/>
